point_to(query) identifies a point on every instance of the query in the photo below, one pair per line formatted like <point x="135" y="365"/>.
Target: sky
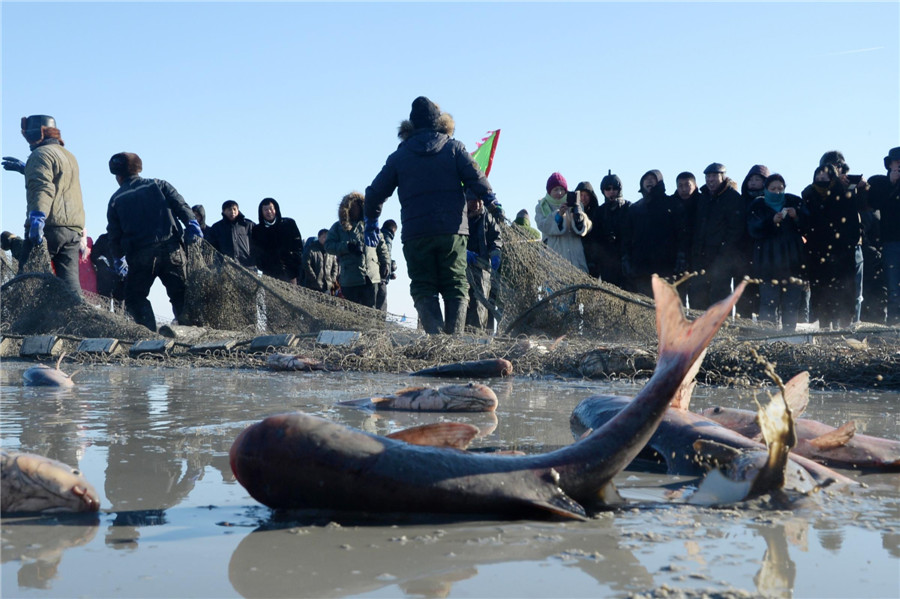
<point x="301" y="101"/>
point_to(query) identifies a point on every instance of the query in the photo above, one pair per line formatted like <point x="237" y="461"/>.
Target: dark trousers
<point x="784" y="298"/>
<point x="63" y="246"/>
<point x="706" y="289"/>
<point x="437" y="265"/>
<point x="361" y="294"/>
<point x="165" y="261"/>
<point x="381" y="296"/>
<point x="477" y="312"/>
<point x="891" y="257"/>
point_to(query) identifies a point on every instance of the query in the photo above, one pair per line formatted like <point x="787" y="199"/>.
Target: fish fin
<point x="796" y="393"/>
<point x="609" y="495"/>
<point x="562" y="505"/>
<point x="585" y="434"/>
<point x="366" y="402"/>
<point x="713" y="451"/>
<point x="682" y="398"/>
<point x="456" y="435"/>
<point x="717" y="489"/>
<point x="836" y="438"/>
<point x="59" y="361"/>
<point x="677" y="336"/>
<point x="409" y="390"/>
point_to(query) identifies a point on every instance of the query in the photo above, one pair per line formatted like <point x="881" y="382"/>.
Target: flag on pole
<point x="484" y="153"/>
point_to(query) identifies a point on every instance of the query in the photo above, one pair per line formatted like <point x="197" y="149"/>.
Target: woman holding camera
<point x="560" y="218"/>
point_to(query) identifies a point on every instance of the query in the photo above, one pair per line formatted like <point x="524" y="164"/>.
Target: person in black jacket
<point x="231" y="235"/>
<point x="833" y="248"/>
<point x="653" y="236"/>
<point x="277" y="243"/>
<point x="200" y="216"/>
<point x="431" y="171"/>
<point x="719" y="224"/>
<point x="884" y="196"/>
<point x="143" y="227"/>
<point x="482" y="259"/>
<point x="774" y="222"/>
<point x="604" y="252"/>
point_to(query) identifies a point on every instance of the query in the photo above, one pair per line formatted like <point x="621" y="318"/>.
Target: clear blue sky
<point x="301" y="101"/>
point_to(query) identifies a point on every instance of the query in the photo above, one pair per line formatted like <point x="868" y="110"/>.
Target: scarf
<point x="548" y="205"/>
<point x="775" y="201"/>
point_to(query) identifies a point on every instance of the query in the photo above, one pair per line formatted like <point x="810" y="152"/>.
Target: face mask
<point x="774" y="200"/>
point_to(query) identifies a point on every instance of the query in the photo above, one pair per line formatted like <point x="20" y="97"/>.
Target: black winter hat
<point x="837" y="159"/>
<point x="31" y="125"/>
<point x="125" y="164"/>
<point x="611" y="180"/>
<point x="893" y="155"/>
<point x="424" y="113"/>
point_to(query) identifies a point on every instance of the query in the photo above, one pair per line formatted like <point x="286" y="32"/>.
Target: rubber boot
<point x="455" y="309"/>
<point x="429" y="309"/>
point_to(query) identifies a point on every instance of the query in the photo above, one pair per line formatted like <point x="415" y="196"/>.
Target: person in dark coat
<point x="276" y="243"/>
<point x="753" y="186"/>
<point x="607" y="231"/>
<point x="591" y="242"/>
<point x="833" y="249"/>
<point x="430" y="171"/>
<point x="653" y="236"/>
<point x="110" y="282"/>
<point x="719" y="224"/>
<point x="200" y="216"/>
<point x="482" y="258"/>
<point x="320" y="269"/>
<point x="361" y="267"/>
<point x="884" y="196"/>
<point x="231" y="235"/>
<point x="143" y="227"/>
<point x="774" y="222"/>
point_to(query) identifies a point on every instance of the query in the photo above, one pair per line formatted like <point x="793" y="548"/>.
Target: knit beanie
<point x="556" y="180"/>
<point x="522" y="214"/>
<point x="125" y="164"/>
<point x="424" y="113"/>
<point x="611" y="180"/>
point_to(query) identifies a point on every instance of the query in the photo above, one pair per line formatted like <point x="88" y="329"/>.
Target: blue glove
<point x="192" y="232"/>
<point x="471" y="257"/>
<point x="36" y="220"/>
<point x="121" y="267"/>
<point x="372" y="231"/>
<point x="13" y="164"/>
<point x="495" y="262"/>
<point x="559" y="220"/>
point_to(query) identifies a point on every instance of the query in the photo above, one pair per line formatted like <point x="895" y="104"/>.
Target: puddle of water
<point x="174" y="523"/>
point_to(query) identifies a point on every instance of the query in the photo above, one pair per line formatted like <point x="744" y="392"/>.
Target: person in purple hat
<point x="561" y="219"/>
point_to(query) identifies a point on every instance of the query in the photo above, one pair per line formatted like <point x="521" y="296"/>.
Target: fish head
<point x="33" y="483"/>
<point x="42" y="375"/>
<point x="471" y="397"/>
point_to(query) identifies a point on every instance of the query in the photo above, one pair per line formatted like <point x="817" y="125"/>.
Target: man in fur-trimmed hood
<point x="431" y="172"/>
<point x="361" y="267"/>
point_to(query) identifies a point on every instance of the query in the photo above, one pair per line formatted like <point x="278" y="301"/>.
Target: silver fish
<point x="33" y="483"/>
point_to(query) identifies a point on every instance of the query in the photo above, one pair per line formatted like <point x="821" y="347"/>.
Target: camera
<point x="571" y="198"/>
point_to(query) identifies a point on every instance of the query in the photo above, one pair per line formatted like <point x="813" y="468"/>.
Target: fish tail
<point x="679" y="337"/>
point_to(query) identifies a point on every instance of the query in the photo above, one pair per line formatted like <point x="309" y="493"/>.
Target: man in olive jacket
<point x="430" y="171"/>
<point x="53" y="194"/>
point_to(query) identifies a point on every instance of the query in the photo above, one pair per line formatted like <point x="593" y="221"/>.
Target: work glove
<point x="192" y="232"/>
<point x="471" y="257"/>
<point x="372" y="231"/>
<point x="495" y="262"/>
<point x="36" y="220"/>
<point x="354" y="247"/>
<point x="559" y="220"/>
<point x="13" y="164"/>
<point x="393" y="269"/>
<point x="494" y="207"/>
<point x="121" y="267"/>
<point x="681" y="264"/>
<point x="384" y="271"/>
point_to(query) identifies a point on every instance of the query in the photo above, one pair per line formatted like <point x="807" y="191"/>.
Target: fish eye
<point x="717" y="410"/>
<point x="76" y="472"/>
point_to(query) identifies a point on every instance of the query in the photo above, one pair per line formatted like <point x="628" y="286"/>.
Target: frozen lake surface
<point x="174" y="522"/>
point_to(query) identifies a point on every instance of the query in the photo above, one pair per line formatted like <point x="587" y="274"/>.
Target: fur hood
<point x="351" y="199"/>
<point x="729" y="183"/>
<point x="445" y="125"/>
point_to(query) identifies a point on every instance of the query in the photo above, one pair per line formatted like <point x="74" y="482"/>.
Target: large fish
<point x="673" y="441"/>
<point x="741" y="474"/>
<point x="476" y="368"/>
<point x="472" y="397"/>
<point x="47" y="376"/>
<point x="297" y="461"/>
<point x="33" y="483"/>
<point x="842" y="446"/>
